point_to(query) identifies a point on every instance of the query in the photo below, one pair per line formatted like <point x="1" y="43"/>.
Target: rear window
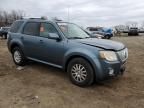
<point x="32" y="28"/>
<point x="93" y="29"/>
<point x="6" y="29"/>
<point x="15" y="26"/>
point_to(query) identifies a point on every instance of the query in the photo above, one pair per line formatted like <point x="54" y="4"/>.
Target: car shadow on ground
<point x="61" y="75"/>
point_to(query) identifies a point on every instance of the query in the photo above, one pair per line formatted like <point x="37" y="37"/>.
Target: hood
<point x="102" y="43"/>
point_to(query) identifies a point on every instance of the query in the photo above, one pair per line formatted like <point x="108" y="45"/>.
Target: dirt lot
<point x="42" y="86"/>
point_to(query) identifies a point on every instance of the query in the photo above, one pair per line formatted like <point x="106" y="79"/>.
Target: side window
<point x="15" y="26"/>
<point x="47" y="28"/>
<point x="31" y="28"/>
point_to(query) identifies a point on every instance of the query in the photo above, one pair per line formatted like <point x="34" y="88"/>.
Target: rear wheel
<point x="107" y="37"/>
<point x="80" y="72"/>
<point x="137" y="34"/>
<point x="18" y="56"/>
<point x="5" y="36"/>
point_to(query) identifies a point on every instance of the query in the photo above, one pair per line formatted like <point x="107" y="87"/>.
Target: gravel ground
<point x="42" y="86"/>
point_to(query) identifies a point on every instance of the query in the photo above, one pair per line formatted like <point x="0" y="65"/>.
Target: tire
<point x="5" y="36"/>
<point x="107" y="37"/>
<point x="82" y="78"/>
<point x="21" y="59"/>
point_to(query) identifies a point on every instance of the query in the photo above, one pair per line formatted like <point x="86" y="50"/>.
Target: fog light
<point x="111" y="72"/>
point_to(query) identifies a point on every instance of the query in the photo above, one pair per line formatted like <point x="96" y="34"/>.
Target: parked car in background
<point x="95" y="35"/>
<point x="98" y="35"/>
<point x="107" y="33"/>
<point x="133" y="31"/>
<point x="66" y="46"/>
<point x="4" y="31"/>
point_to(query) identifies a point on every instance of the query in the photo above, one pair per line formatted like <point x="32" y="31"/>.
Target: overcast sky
<point x="83" y="12"/>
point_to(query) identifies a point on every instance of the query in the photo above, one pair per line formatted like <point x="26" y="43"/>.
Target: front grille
<point x="123" y="54"/>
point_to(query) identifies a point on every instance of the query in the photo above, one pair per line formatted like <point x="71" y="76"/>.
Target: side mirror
<point x="54" y="36"/>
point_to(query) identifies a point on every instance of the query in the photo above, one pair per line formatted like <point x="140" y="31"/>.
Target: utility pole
<point x="68" y="13"/>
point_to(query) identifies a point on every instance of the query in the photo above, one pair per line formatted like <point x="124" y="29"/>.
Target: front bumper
<point x="110" y="69"/>
<point x="113" y="69"/>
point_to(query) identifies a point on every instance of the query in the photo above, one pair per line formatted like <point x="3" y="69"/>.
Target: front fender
<point x="79" y="52"/>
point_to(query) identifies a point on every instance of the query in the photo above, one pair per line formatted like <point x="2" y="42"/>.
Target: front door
<point x="50" y="50"/>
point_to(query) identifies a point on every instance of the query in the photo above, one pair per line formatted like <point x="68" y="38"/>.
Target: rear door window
<point x="32" y="28"/>
<point x="15" y="26"/>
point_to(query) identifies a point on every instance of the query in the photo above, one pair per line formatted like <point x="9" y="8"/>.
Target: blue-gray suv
<point x="66" y="46"/>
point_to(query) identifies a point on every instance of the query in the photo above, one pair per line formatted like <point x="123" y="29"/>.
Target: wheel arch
<point x="90" y="56"/>
<point x="13" y="45"/>
<point x="79" y="56"/>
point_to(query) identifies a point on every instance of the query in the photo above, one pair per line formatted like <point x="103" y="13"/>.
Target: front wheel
<point x="18" y="56"/>
<point x="107" y="37"/>
<point x="80" y="72"/>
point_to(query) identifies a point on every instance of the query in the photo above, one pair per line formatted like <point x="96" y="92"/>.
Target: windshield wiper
<point x="75" y="38"/>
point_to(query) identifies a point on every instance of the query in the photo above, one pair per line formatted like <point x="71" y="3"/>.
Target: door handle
<point x="41" y="41"/>
<point x="22" y="38"/>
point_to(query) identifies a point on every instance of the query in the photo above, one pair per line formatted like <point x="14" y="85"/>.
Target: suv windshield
<point x="72" y="31"/>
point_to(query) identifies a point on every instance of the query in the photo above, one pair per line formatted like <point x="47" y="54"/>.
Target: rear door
<point x="30" y="39"/>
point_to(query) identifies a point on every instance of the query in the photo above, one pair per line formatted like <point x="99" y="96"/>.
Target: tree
<point x="7" y="18"/>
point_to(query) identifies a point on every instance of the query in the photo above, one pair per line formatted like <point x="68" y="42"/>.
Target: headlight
<point x="108" y="55"/>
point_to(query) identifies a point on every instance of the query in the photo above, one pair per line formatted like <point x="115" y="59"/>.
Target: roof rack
<point x="42" y="18"/>
<point x="34" y="18"/>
